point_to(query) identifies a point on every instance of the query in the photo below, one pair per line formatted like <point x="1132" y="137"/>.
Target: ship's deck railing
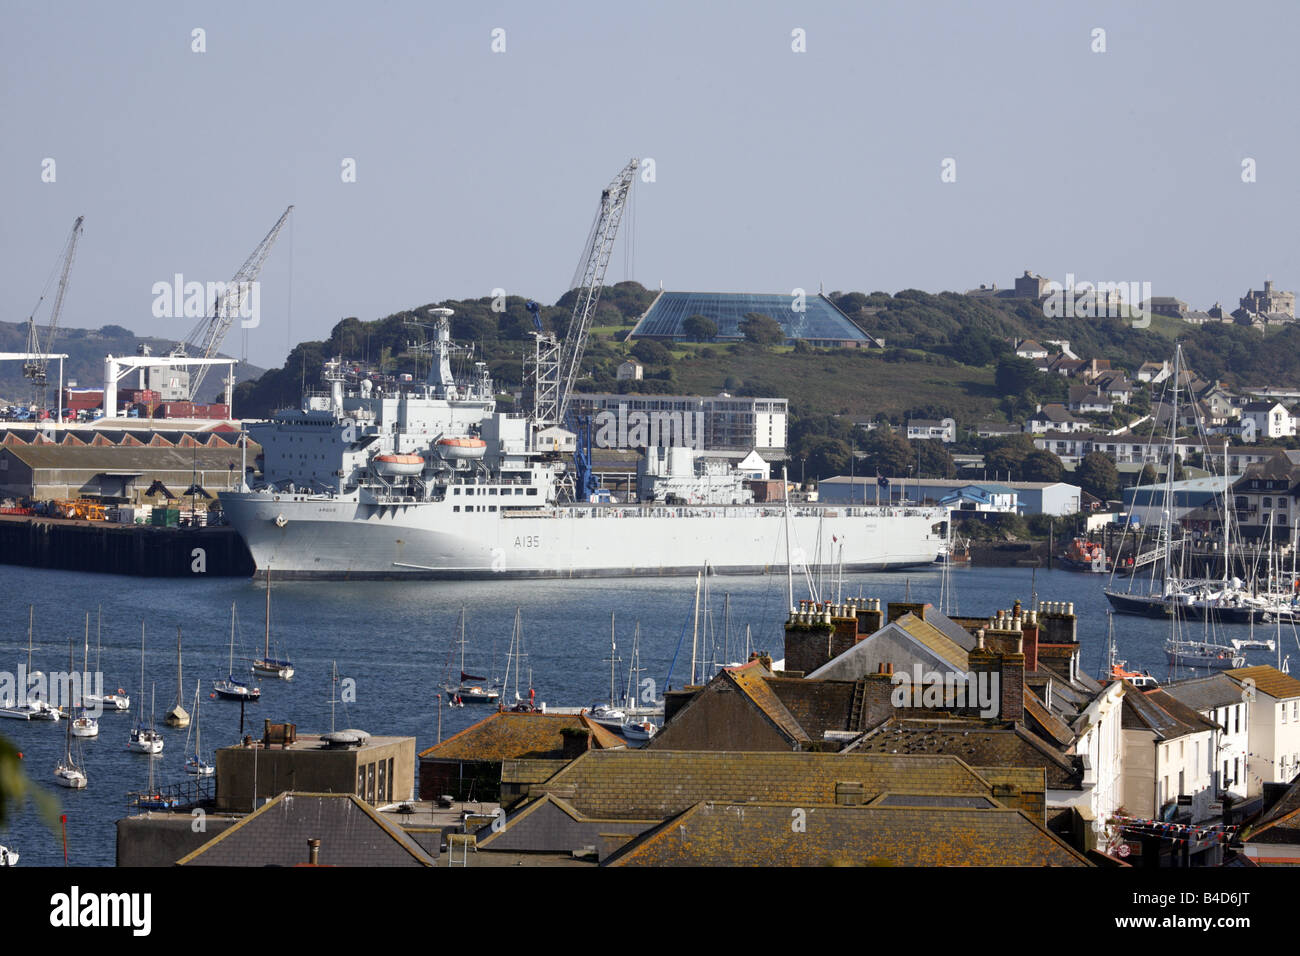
<point x="583" y="510"/>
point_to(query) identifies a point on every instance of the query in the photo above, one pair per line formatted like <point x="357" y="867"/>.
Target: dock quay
<point x="108" y="548"/>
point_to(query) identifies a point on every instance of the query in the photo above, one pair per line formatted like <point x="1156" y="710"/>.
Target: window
<point x="455" y="507"/>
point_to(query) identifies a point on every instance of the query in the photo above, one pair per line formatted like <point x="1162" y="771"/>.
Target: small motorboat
<point x="8" y="857"/>
<point x="638" y="733"/>
<point x="116" y="702"/>
<point x="611" y="718"/>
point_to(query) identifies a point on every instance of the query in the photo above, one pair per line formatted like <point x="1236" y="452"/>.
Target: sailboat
<point x="67" y="773"/>
<point x="30" y="707"/>
<point x="194" y="762"/>
<point x="151" y="799"/>
<point x="120" y="700"/>
<point x="85" y="726"/>
<point x="231" y="689"/>
<point x="144" y="740"/>
<point x="466" y="692"/>
<point x="607" y="715"/>
<point x="635" y="731"/>
<point x="177" y="716"/>
<point x="521" y="705"/>
<point x="266" y="665"/>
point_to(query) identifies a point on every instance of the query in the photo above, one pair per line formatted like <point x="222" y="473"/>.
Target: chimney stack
<point x="313" y="852"/>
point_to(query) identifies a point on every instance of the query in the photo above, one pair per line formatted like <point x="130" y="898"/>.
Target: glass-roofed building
<point x="818" y="322"/>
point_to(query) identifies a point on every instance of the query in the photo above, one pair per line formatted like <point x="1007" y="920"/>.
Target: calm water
<point x="396" y="640"/>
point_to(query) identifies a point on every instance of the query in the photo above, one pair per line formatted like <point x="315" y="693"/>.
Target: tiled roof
<point x="506" y="736"/>
<point x="653" y="784"/>
<point x="933" y="638"/>
<point x="276" y="834"/>
<point x="1268" y="679"/>
<point x="762" y="834"/>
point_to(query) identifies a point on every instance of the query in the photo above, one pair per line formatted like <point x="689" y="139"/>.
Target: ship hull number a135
<point x="528" y="541"/>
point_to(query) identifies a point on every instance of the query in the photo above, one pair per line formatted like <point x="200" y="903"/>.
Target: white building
<point x="1272" y="420"/>
<point x="630" y="371"/>
<point x="1273" y="701"/>
<point x="945" y="430"/>
<point x="1099" y="742"/>
<point x="1168" y="755"/>
<point x="1218" y="698"/>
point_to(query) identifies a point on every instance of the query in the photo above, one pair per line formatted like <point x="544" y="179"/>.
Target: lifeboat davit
<point x="462" y="447"/>
<point x="399" y="464"/>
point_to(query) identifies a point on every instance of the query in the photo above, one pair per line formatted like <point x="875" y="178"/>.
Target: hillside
<point x="86" y="349"/>
<point x="941" y="357"/>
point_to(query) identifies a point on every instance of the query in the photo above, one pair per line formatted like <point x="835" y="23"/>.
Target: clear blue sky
<point x="774" y="169"/>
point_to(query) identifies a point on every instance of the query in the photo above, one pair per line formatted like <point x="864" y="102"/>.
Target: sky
<point x="793" y="145"/>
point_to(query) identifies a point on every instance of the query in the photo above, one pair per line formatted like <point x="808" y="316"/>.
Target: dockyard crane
<point x="206" y="338"/>
<point x="556" y="366"/>
<point x="39" y="349"/>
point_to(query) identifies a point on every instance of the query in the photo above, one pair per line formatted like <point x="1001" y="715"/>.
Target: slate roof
<point x="979" y="743"/>
<point x="654" y="784"/>
<point x="761" y="834"/>
<point x="909" y="626"/>
<point x="509" y="736"/>
<point x="1280" y="823"/>
<point x="1268" y="679"/>
<point x="276" y="834"/>
<point x="1156" y="711"/>
<point x="751" y="680"/>
<point x="1044" y="722"/>
<point x="1206" y="693"/>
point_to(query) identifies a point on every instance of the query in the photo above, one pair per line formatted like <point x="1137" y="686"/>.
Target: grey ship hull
<point x="338" y="538"/>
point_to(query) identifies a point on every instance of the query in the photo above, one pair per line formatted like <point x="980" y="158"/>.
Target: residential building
<point x="1169" y="758"/>
<point x="1218" y="698"/>
<point x="1087" y="399"/>
<point x="944" y="430"/>
<point x="1165" y="305"/>
<point x="1273" y="700"/>
<point x="1154" y="372"/>
<point x="1266" y="498"/>
<point x="1029" y="349"/>
<point x="1054" y="417"/>
<point x="631" y="370"/>
<point x="1272" y="419"/>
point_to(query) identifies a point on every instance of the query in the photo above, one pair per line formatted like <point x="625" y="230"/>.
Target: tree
<point x="1016" y="376"/>
<point x="761" y="329"/>
<point x="1041" y="465"/>
<point x="828" y="457"/>
<point x="1008" y="455"/>
<point x="935" y="461"/>
<point x="887" y="453"/>
<point x="1098" y="476"/>
<point x="700" y="328"/>
<point x="651" y="352"/>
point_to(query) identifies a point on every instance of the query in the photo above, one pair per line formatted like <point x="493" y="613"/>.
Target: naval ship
<point x="428" y="480"/>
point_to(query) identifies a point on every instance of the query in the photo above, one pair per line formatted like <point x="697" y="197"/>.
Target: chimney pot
<point x="313" y="852"/>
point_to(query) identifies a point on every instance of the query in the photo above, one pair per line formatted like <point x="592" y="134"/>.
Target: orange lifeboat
<point x="399" y="464"/>
<point x="464" y="447"/>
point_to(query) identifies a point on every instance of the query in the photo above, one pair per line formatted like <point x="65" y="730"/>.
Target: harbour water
<point x="395" y="640"/>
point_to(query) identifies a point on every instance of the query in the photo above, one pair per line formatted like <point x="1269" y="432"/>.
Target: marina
<point x="396" y="651"/>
